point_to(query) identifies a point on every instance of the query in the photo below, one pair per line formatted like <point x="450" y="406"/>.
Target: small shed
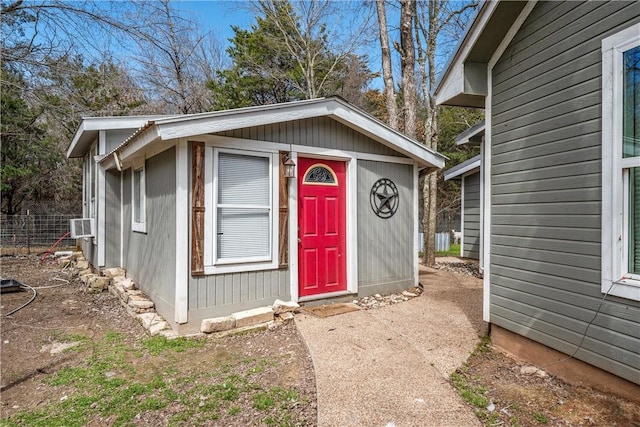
<point x="221" y="212"/>
<point x="468" y="173"/>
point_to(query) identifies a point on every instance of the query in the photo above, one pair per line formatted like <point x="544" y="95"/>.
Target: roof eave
<point x="465" y="168"/>
<point x="211" y="123"/>
<point x="464" y="81"/>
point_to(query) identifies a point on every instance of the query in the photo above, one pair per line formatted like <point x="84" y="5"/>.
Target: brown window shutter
<point x="197" y="209"/>
<point x="283" y="218"/>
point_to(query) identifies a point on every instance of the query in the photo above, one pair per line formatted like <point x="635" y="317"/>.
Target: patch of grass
<point x="106" y="386"/>
<point x="475" y="395"/>
<point x="454" y="250"/>
<point x="160" y="344"/>
<point x="541" y="418"/>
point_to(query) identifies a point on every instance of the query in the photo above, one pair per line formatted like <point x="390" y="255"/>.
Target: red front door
<point x="322" y="257"/>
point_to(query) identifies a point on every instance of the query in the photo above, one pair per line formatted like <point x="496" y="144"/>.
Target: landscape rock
<point x="147" y="319"/>
<point x="99" y="283"/>
<point x="528" y="370"/>
<point x="64" y="262"/>
<point x="284" y="307"/>
<point x="85" y="278"/>
<point x="113" y="272"/>
<point x="126" y="282"/>
<point x="217" y="324"/>
<point x="82" y="265"/>
<point x="155" y="328"/>
<point x="84" y="272"/>
<point x="139" y="302"/>
<point x="253" y="317"/>
<point x="75" y="255"/>
<point x="286" y="317"/>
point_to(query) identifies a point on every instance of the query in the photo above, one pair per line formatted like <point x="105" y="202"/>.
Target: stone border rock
<point x="268" y="317"/>
<point x="137" y="304"/>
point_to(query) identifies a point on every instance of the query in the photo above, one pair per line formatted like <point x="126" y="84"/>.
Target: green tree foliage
<point x="451" y="122"/>
<point x="277" y="61"/>
<point x="29" y="157"/>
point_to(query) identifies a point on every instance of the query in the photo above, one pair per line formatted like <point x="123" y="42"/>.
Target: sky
<point x="218" y="15"/>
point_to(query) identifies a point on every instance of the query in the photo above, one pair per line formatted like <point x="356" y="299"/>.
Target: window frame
<point x="139" y="226"/>
<point x="615" y="279"/>
<point x="213" y="265"/>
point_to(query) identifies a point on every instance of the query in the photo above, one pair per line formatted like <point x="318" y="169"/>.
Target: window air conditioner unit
<point x="82" y="227"/>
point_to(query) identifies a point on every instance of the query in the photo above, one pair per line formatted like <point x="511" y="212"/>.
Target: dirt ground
<point x="62" y="308"/>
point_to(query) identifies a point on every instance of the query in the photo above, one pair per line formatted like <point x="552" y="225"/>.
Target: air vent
<point x="81" y="227"/>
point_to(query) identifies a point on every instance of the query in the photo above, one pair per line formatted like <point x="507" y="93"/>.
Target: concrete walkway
<point x="390" y="366"/>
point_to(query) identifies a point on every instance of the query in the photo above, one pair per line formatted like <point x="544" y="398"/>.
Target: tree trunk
<point x="387" y="75"/>
<point x="408" y="65"/>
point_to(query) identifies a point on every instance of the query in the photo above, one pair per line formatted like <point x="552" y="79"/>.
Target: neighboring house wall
<point x="150" y="258"/>
<point x="385" y="253"/>
<point x="546" y="187"/>
<point x="471" y="216"/>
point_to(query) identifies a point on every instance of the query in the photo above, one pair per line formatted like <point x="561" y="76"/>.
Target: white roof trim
<point x="186" y="126"/>
<point x="90" y="126"/>
<point x="463" y="168"/>
<point x="451" y="81"/>
<point x="470" y="135"/>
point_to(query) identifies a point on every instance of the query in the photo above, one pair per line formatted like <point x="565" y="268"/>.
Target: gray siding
<point x="471" y="216"/>
<point x="113" y="138"/>
<point x="546" y="184"/>
<point x="222" y="294"/>
<point x="322" y="132"/>
<point x="386" y="253"/>
<point x="112" y="218"/>
<point x="150" y="258"/>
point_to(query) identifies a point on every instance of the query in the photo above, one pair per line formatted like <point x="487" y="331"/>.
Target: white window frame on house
<point x="90" y="182"/>
<point x="139" y="199"/>
<point x="616" y="279"/>
<point x="214" y="264"/>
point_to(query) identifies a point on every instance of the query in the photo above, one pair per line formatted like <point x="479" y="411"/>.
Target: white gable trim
<point x="220" y="121"/>
<point x="452" y="81"/>
<point x="464" y="168"/>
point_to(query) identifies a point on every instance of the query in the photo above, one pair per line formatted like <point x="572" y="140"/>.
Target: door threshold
<point x="326" y="296"/>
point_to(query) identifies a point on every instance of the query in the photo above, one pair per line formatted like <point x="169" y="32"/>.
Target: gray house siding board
<point x="112" y="218"/>
<point x="613" y="366"/>
<point x="571" y="182"/>
<point x="542" y="147"/>
<point x="553" y="171"/>
<point x="113" y="138"/>
<point x="471" y="238"/>
<point x="563" y="290"/>
<point x="592" y="347"/>
<point x="568" y="234"/>
<point x="560" y="38"/>
<point x="545" y="141"/>
<point x="237" y="289"/>
<point x="592" y="249"/>
<point x="570" y="208"/>
<point x="600" y="340"/>
<point x="383" y="253"/>
<point x="319" y="132"/>
<point x="150" y="258"/>
<point x="528" y="148"/>
<point x="555" y="300"/>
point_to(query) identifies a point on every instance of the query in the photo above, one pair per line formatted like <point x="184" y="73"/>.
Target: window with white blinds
<point x="243" y="207"/>
<point x="621" y="163"/>
<point x="241" y="201"/>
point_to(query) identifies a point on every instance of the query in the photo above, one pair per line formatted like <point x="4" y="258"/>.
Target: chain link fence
<point x="25" y="232"/>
